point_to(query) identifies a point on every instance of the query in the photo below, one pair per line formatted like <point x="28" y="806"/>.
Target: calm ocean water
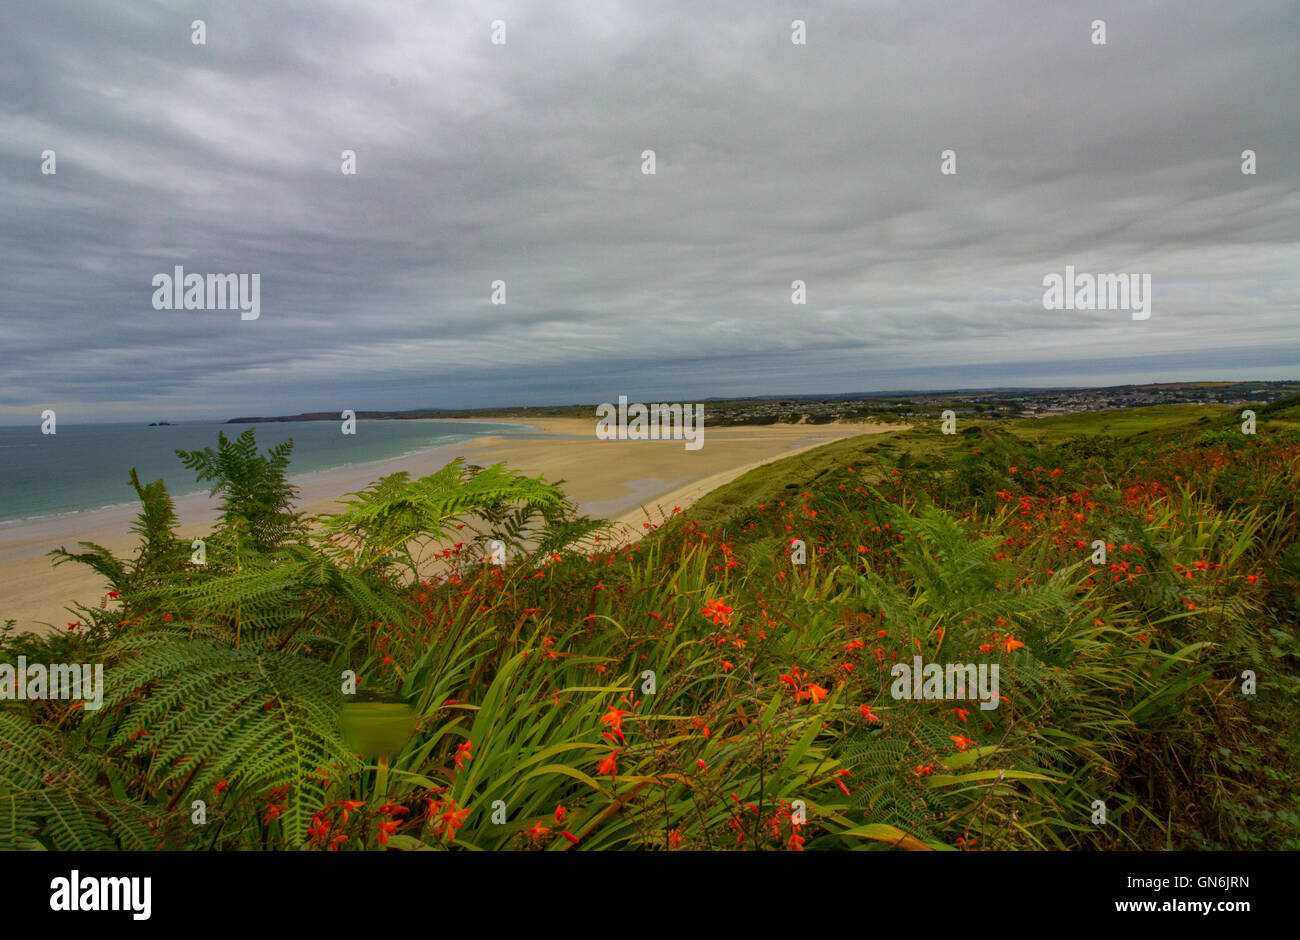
<point x="86" y="467"/>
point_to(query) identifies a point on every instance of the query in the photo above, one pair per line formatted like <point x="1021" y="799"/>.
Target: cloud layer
<point x="522" y="162"/>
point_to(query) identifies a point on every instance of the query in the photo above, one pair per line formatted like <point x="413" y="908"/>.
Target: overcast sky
<point x="523" y="162"/>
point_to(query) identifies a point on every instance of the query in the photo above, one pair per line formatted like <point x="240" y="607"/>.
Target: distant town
<point x="886" y="406"/>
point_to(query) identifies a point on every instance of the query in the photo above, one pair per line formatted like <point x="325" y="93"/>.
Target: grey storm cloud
<point x="522" y="162"/>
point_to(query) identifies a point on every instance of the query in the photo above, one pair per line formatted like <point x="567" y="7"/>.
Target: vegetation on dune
<point x="698" y="689"/>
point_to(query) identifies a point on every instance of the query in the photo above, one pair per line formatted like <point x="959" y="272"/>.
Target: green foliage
<point x="256" y="495"/>
<point x="225" y="679"/>
<point x="395" y="515"/>
<point x="159" y="550"/>
<point x="1120" y="680"/>
<point x="197" y="713"/>
<point x="50" y="797"/>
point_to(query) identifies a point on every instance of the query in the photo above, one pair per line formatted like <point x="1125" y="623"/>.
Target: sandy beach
<point x="628" y="481"/>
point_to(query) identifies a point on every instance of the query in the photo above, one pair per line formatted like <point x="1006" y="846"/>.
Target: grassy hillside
<point x="712" y="687"/>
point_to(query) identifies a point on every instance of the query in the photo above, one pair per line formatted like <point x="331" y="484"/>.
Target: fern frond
<point x="47" y="800"/>
<point x="258" y="718"/>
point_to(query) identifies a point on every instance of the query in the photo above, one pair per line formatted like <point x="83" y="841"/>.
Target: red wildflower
<point x="614" y="718"/>
<point x="718" y="612"/>
<point x="463" y="753"/>
<point x="349" y="806"/>
<point x="536" y="833"/>
<point x="452" y="820"/>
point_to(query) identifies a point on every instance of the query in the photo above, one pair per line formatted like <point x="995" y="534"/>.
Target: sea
<point x="86" y="467"/>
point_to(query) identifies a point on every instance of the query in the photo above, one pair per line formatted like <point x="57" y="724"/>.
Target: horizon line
<point x="793" y="397"/>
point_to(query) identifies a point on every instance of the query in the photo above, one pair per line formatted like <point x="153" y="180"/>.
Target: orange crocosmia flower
<point x="816" y="693"/>
<point x="866" y="713"/>
<point x="536" y="832"/>
<point x="718" y="612"/>
<point x="452" y="820"/>
<point x="961" y="741"/>
<point x="1012" y="644"/>
<point x="727" y="666"/>
<point x="463" y="753"/>
<point x="386" y="829"/>
<point x="700" y="764"/>
<point x="560" y="813"/>
<point x="349" y="806"/>
<point x="319" y="829"/>
<point x="609" y="765"/>
<point x="962" y="713"/>
<point x="614" y="718"/>
<point x="570" y="836"/>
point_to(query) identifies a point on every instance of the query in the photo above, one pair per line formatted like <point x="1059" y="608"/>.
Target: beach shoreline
<point x="631" y="483"/>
